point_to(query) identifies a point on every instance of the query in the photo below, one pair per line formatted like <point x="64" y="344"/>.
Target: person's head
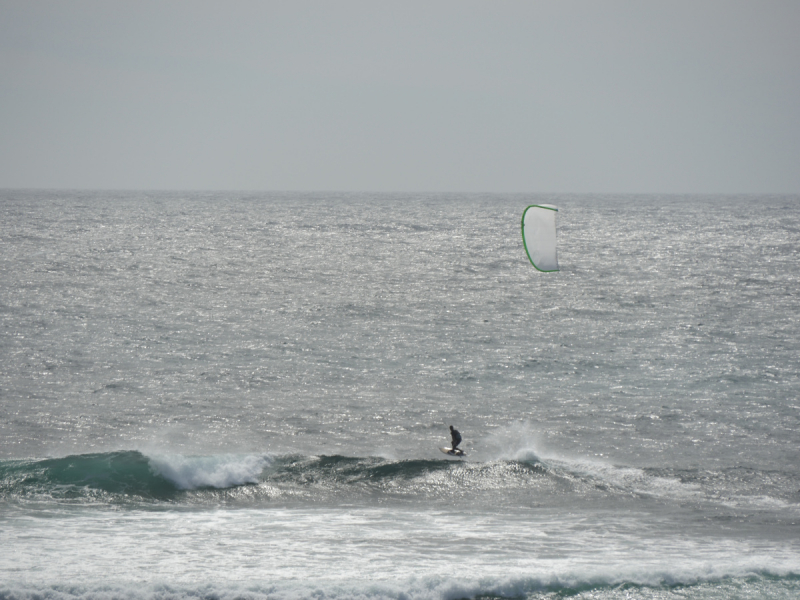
<point x="451" y="428"/>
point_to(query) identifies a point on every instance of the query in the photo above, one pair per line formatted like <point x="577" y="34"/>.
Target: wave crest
<point x="221" y="471"/>
<point x="132" y="477"/>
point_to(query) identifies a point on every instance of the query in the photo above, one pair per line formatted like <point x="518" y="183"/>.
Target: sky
<point x="561" y="96"/>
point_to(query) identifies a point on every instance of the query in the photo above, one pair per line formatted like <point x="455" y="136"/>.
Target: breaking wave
<point x="771" y="583"/>
<point x="125" y="474"/>
<point x="134" y="477"/>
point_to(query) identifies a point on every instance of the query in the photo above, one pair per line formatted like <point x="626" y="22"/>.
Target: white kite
<point x="539" y="236"/>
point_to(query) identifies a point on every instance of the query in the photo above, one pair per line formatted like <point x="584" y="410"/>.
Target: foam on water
<point x="353" y="544"/>
<point x="222" y="471"/>
<point x="520" y="442"/>
<point x="747" y="579"/>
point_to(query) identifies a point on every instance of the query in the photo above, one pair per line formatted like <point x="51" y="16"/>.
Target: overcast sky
<point x="452" y="95"/>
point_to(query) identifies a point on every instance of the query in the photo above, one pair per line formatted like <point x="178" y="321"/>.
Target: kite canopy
<point x="539" y="236"/>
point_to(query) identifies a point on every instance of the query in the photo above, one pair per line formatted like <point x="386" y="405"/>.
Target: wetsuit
<point x="456" y="437"/>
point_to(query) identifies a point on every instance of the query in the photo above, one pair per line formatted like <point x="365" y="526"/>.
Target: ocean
<point x="243" y="396"/>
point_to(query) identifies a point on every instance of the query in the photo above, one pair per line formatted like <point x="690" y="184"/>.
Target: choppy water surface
<point x="228" y="395"/>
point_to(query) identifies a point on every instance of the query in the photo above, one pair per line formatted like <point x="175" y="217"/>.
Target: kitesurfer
<point x="456" y="437"/>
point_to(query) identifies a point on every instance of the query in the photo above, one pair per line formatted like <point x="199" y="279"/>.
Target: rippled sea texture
<point x="350" y="323"/>
<point x="242" y="395"/>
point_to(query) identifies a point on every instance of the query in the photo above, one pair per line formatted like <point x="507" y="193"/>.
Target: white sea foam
<point x="629" y="480"/>
<point x="703" y="581"/>
<point x="221" y="471"/>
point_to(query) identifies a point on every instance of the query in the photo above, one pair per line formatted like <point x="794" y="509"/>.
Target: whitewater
<point x="228" y="395"/>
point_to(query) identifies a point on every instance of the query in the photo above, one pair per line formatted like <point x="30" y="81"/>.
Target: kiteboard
<point x="451" y="452"/>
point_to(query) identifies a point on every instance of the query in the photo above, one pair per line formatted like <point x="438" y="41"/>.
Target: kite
<point x="539" y="236"/>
